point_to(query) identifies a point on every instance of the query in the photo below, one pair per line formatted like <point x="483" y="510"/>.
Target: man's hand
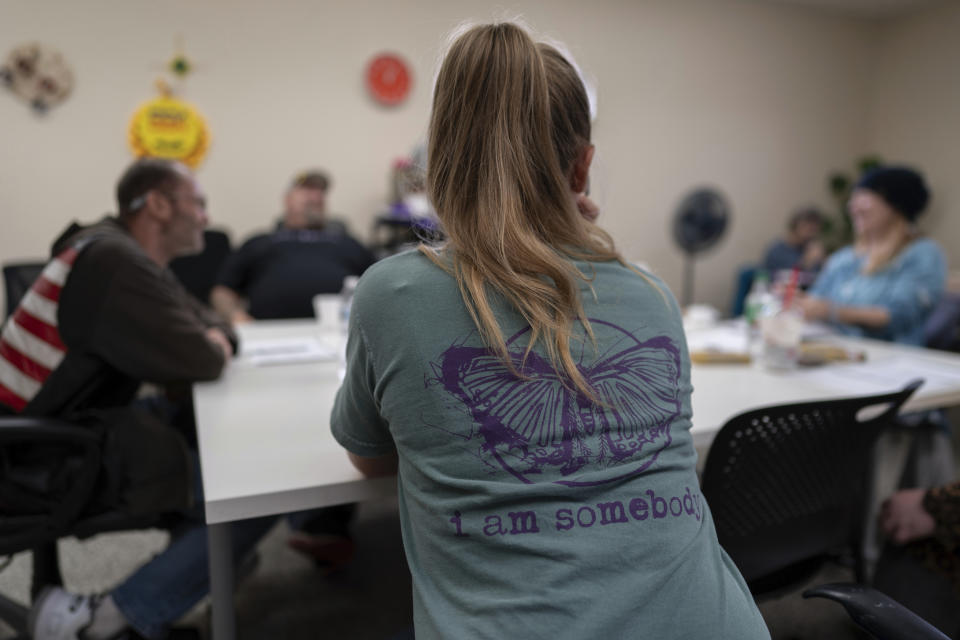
<point x="240" y="316"/>
<point x="587" y="207"/>
<point x="219" y="338"/>
<point x="229" y="304"/>
<point x="903" y="518"/>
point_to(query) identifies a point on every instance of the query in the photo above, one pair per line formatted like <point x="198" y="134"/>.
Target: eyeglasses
<point x="138" y="202"/>
<point x="199" y="201"/>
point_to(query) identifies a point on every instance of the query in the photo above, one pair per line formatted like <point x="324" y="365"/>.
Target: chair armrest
<point x="48" y="430"/>
<point x="877" y="613"/>
<point x="897" y="399"/>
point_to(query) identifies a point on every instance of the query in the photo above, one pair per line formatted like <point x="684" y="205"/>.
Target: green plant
<point x="838" y="229"/>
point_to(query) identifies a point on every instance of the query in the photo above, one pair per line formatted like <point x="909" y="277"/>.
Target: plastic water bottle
<point x="760" y="305"/>
<point x="783" y="330"/>
<point x="346" y="300"/>
<point x="758" y="300"/>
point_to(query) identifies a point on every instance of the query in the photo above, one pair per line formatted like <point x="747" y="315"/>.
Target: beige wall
<point x="759" y="100"/>
<point x="916" y="116"/>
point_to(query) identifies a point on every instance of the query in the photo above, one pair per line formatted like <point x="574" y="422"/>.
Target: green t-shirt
<point x="529" y="511"/>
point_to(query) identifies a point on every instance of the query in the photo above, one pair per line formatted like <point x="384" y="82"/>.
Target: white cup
<point x="782" y="334"/>
<point x="326" y="308"/>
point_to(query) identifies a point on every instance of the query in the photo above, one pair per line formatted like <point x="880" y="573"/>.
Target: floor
<point x="285" y="597"/>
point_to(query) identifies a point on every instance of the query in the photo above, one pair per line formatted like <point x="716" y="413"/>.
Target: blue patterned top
<point x="909" y="288"/>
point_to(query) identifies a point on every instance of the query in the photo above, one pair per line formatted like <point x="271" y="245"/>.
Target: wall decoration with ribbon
<point x="37" y="74"/>
<point x="167" y="127"/>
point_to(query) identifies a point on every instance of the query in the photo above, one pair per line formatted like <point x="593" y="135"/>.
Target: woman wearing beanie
<point x="888" y="282"/>
<point x="885" y="287"/>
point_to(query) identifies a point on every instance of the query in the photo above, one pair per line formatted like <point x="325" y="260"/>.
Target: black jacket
<point x="124" y="320"/>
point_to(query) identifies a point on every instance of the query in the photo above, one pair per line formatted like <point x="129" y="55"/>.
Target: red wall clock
<point x="388" y="79"/>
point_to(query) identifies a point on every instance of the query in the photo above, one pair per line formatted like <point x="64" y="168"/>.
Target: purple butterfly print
<point x="535" y="426"/>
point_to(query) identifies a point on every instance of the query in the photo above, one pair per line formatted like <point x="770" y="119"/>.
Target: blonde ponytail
<point x="509" y="119"/>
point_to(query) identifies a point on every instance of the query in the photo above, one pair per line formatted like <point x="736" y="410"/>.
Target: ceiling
<point x="867" y="8"/>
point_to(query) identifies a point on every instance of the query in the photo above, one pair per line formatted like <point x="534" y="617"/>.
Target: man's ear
<point x="158" y="206"/>
<point x="580" y="176"/>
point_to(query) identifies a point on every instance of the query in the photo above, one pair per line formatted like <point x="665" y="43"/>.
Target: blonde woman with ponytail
<point x="530" y="388"/>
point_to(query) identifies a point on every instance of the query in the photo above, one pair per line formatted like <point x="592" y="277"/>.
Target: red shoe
<point x="329" y="552"/>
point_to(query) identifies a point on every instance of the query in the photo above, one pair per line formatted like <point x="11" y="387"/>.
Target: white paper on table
<point x="813" y="331"/>
<point x="724" y="338"/>
<point x="286" y="351"/>
<point x="886" y="375"/>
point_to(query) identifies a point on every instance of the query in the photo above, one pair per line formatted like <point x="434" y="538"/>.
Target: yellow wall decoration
<point x="166" y="127"/>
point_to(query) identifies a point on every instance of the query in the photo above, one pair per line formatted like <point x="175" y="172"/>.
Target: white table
<point x="721" y="391"/>
<point x="266" y="448"/>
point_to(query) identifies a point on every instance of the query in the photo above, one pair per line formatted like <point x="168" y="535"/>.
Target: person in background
<point x="106" y="315"/>
<point x="886" y="284"/>
<point x="531" y="388"/>
<point x="800" y="248"/>
<point x="277" y="274"/>
<point x="920" y="568"/>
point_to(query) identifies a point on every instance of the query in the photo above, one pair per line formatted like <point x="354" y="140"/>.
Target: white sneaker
<point x="58" y="614"/>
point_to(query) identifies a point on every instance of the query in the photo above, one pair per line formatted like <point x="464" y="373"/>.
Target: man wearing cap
<point x="276" y="275"/>
<point x="885" y="285"/>
<point x="105" y="315"/>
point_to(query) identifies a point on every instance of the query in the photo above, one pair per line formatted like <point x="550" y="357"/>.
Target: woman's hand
<point x="818" y="309"/>
<point x="813" y="309"/>
<point x="903" y="518"/>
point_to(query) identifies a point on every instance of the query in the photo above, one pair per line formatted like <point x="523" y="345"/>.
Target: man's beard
<point x="315" y="219"/>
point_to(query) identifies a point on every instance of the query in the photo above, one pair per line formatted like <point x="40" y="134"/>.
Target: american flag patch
<point x="30" y="344"/>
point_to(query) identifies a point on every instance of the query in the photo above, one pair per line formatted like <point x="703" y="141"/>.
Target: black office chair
<point x="198" y="273"/>
<point x="942" y="329"/>
<point x="48" y="477"/>
<point x="18" y="277"/>
<point x="879" y="615"/>
<point x="788" y="486"/>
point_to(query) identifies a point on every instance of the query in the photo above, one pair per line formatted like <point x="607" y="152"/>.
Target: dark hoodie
<point x="124" y="320"/>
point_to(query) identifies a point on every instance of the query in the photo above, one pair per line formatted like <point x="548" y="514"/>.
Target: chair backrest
<point x="18" y="277"/>
<point x="198" y="273"/>
<point x="787" y="484"/>
<point x="741" y="287"/>
<point x="942" y="329"/>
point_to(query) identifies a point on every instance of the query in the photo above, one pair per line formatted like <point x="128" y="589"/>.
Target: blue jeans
<point x="164" y="589"/>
